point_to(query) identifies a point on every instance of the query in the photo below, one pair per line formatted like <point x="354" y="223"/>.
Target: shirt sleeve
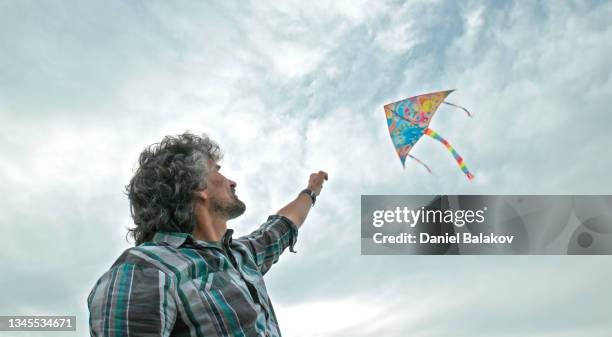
<point x="269" y="241"/>
<point x="132" y="300"/>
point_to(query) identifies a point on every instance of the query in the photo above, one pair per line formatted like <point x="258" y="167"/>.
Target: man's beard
<point x="230" y="210"/>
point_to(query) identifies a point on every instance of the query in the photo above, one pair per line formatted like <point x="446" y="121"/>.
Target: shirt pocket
<point x="221" y="286"/>
<point x="229" y="299"/>
<point x="215" y="281"/>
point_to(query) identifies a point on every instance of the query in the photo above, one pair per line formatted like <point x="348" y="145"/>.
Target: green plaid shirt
<point x="180" y="286"/>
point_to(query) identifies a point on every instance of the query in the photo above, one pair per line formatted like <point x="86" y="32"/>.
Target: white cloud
<point x="400" y="30"/>
<point x="495" y="300"/>
<point x="289" y="88"/>
<point x="326" y="317"/>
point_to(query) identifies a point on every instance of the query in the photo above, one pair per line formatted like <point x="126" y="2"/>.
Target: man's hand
<point x="315" y="183"/>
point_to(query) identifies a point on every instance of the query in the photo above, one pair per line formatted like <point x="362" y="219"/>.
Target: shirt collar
<point x="176" y="239"/>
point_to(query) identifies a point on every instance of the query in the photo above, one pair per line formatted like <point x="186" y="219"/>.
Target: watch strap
<point x="311" y="194"/>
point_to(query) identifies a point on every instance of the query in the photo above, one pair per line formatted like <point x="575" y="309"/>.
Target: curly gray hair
<point x="162" y="190"/>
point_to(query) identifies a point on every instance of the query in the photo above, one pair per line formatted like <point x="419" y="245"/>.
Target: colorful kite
<point x="408" y="120"/>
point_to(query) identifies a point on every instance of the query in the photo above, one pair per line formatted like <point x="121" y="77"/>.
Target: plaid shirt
<point x="180" y="286"/>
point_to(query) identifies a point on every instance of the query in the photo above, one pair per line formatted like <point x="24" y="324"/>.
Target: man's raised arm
<point x="269" y="241"/>
<point x="297" y="210"/>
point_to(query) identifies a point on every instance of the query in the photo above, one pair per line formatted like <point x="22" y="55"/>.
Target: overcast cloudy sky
<point x="291" y="87"/>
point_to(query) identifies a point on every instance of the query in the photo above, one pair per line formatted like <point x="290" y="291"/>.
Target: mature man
<point x="187" y="276"/>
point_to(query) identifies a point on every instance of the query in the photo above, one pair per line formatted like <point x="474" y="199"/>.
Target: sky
<point x="288" y="88"/>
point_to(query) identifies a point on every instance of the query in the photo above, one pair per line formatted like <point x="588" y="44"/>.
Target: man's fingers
<point x="325" y="176"/>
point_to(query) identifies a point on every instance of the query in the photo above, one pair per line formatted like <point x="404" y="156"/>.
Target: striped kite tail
<point x="450" y="148"/>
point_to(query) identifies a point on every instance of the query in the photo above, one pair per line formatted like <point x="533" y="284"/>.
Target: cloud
<point x="510" y="296"/>
<point x="295" y="87"/>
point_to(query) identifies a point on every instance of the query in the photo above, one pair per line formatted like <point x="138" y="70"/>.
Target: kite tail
<point x="450" y="148"/>
<point x="420" y="162"/>
<point x="460" y="107"/>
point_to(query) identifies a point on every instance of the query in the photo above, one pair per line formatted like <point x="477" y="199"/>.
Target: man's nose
<point x="232" y="183"/>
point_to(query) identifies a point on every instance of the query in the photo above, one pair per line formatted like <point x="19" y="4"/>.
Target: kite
<point x="408" y="120"/>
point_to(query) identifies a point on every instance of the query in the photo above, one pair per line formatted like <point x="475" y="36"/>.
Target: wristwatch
<point x="311" y="194"/>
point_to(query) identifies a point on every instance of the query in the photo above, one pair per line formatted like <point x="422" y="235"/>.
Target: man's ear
<point x="202" y="195"/>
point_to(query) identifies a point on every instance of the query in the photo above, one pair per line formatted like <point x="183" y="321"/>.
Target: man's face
<point x="222" y="194"/>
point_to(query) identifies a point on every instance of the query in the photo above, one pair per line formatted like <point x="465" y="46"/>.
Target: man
<point x="187" y="276"/>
